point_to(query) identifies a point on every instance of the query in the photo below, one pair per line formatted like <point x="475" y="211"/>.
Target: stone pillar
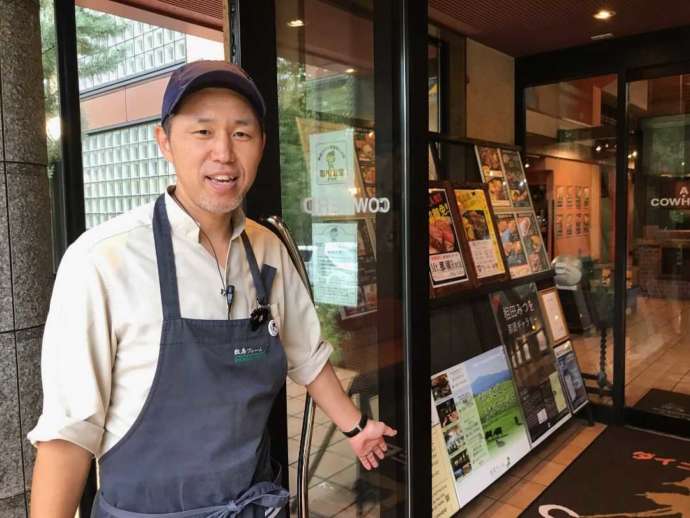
<point x="26" y="269"/>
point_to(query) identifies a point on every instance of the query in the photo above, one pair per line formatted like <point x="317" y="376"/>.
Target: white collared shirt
<point x="102" y="335"/>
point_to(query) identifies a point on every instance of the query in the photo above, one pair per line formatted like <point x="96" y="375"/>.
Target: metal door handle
<point x="277" y="225"/>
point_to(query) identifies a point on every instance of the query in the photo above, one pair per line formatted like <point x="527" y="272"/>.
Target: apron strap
<point x="165" y="259"/>
<point x="261" y="279"/>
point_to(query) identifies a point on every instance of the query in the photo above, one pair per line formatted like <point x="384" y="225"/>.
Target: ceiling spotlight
<point x="350" y="71"/>
<point x="597" y="149"/>
<point x="295" y="23"/>
<point x="604" y="14"/>
<point x="634" y="154"/>
<point x="527" y="165"/>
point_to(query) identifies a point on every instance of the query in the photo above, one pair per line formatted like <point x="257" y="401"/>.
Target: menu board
<point x="521" y="326"/>
<point x="512" y="245"/>
<point x="532" y="241"/>
<point x="492" y="175"/>
<point x="481" y="234"/>
<point x="515" y="177"/>
<point x="483" y="428"/>
<point x="335" y="263"/>
<point x="446" y="265"/>
<point x="571" y="375"/>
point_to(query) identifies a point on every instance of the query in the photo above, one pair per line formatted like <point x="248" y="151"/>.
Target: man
<point x="171" y="329"/>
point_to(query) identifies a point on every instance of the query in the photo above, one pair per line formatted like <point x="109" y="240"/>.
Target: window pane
<point x="117" y="54"/>
<point x="571" y="168"/>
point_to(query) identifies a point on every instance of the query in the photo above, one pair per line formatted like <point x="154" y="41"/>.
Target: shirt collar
<point x="183" y="224"/>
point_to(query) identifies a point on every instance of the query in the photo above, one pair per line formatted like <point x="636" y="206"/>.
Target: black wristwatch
<point x="358" y="427"/>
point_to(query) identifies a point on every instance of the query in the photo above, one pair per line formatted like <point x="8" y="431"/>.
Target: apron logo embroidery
<point x="248" y="354"/>
<point x="273" y="328"/>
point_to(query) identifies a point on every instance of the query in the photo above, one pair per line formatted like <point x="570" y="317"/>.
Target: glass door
<point x="658" y="319"/>
<point x="337" y="191"/>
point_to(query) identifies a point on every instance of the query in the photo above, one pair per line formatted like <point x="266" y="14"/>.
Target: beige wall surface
<point x="490" y="94"/>
<point x="129" y="104"/>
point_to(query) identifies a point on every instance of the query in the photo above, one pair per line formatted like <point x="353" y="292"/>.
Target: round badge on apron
<point x="273" y="328"/>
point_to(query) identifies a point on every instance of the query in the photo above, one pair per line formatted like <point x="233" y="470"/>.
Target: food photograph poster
<point x="484" y="434"/>
<point x="446" y="265"/>
<point x="481" y="234"/>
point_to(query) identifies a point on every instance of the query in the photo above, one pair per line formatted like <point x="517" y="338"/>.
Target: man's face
<point x="215" y="144"/>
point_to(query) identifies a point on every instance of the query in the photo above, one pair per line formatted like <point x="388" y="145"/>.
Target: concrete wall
<point x="490" y="94"/>
<point x="26" y="269"/>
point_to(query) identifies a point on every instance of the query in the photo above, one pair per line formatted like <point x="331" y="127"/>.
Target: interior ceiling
<point x="526" y="27"/>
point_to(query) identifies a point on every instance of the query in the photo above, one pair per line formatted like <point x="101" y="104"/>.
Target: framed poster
<point x="560" y="196"/>
<point x="570" y="196"/>
<point x="533" y="243"/>
<point x="521" y="326"/>
<point x="514" y="253"/>
<point x="585" y="198"/>
<point x="585" y="223"/>
<point x="475" y="215"/>
<point x="550" y="304"/>
<point x="491" y="170"/>
<point x="446" y="265"/>
<point x="578" y="197"/>
<point x="571" y="375"/>
<point x="578" y="224"/>
<point x="515" y="177"/>
<point x="569" y="225"/>
<point x="559" y="225"/>
<point x="479" y="415"/>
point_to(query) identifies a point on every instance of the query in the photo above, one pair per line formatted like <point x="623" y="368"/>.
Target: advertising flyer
<point x="444" y="500"/>
<point x="332" y="163"/>
<point x="574" y="385"/>
<point x="532" y="241"/>
<point x="483" y="428"/>
<point x="491" y="170"/>
<point x="446" y="265"/>
<point x="512" y="245"/>
<point x="515" y="176"/>
<point x="521" y="326"/>
<point x="335" y="263"/>
<point x="480" y="232"/>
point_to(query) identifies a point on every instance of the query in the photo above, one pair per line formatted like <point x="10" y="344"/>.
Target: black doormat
<point x="623" y="473"/>
<point x="664" y="402"/>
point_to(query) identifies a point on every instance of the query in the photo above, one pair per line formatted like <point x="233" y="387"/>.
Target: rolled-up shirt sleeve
<point x="307" y="352"/>
<point x="76" y="356"/>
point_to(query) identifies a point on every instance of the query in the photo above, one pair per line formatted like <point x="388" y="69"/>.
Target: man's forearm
<point x="59" y="476"/>
<point x="329" y="395"/>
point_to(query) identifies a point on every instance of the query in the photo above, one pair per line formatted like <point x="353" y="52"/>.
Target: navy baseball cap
<point x="205" y="74"/>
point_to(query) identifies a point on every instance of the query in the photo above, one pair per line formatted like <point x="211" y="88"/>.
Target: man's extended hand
<point x="369" y="445"/>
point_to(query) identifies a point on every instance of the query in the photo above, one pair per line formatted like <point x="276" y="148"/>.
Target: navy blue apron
<point x="200" y="448"/>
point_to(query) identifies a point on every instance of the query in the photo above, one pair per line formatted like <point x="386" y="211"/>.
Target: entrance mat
<point x="664" y="402"/>
<point x="623" y="473"/>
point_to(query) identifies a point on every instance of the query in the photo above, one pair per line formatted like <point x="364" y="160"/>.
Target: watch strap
<point x="358" y="427"/>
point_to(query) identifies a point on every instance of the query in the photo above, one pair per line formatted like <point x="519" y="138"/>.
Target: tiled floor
<point x="331" y="489"/>
<point x="657" y="348"/>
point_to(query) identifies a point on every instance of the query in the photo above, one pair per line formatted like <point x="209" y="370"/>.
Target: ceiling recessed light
<point x="604" y="14"/>
<point x="350" y="71"/>
<point x="295" y="23"/>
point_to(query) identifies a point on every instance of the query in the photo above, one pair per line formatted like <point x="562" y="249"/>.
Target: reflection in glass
<point x="571" y="150"/>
